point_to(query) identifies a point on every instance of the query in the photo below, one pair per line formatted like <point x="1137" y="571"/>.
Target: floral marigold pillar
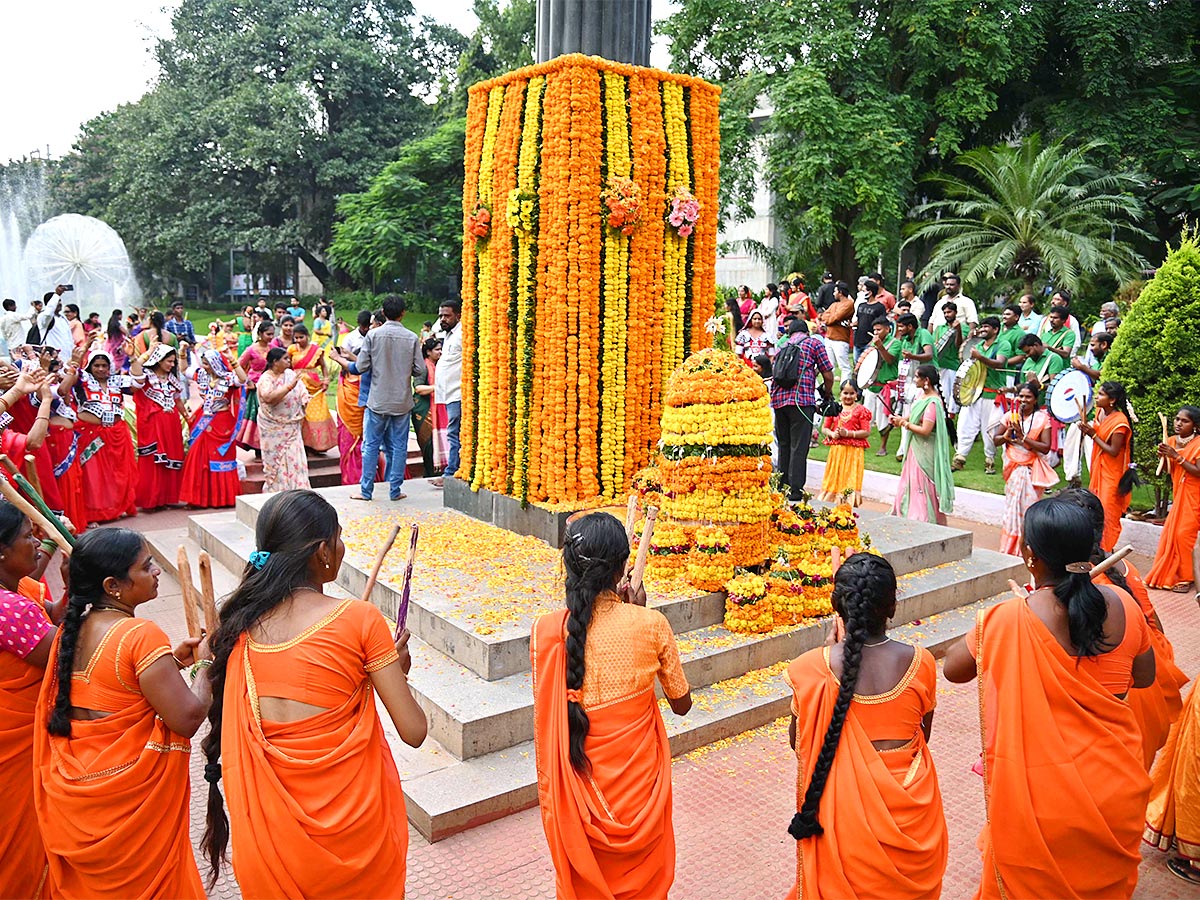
<point x="589" y="252"/>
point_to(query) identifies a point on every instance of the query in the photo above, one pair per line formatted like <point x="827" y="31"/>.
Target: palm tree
<point x="1032" y="212"/>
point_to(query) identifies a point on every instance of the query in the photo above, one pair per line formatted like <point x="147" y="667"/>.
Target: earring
<point x="1029" y="563"/>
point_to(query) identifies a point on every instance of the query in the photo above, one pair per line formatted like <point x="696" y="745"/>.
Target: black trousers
<point x="793" y="433"/>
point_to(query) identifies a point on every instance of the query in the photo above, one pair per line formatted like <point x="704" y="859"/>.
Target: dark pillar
<point x="618" y="30"/>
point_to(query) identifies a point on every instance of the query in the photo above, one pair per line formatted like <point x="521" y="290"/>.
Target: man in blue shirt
<point x="186" y="333"/>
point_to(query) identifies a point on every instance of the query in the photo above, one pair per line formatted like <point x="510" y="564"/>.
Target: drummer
<point x="984" y="413"/>
<point x="1040" y="365"/>
<point x="1058" y="338"/>
<point x="947" y="341"/>
<point x="1010" y="336"/>
<point x="883" y="391"/>
<point x="1091" y="361"/>
<point x="916" y="347"/>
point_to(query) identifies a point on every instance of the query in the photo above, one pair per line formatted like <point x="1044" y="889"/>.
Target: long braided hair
<point x="290" y="528"/>
<point x="594" y="556"/>
<point x="98" y="555"/>
<point x="864" y="589"/>
<point x="1116" y="390"/>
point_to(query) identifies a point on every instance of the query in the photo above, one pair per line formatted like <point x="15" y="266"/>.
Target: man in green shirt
<point x="1010" y="336"/>
<point x="948" y="358"/>
<point x="916" y="347"/>
<point x="982" y="416"/>
<point x="1058" y="338"/>
<point x="1040" y="365"/>
<point x="881" y="396"/>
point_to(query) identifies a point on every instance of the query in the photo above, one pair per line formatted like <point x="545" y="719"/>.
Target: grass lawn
<point x="972" y="475"/>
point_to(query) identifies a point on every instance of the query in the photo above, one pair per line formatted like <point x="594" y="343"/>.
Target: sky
<point x="67" y="61"/>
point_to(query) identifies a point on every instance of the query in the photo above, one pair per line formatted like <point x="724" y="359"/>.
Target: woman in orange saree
<point x="1026" y="441"/>
<point x="603" y="760"/>
<point x="1173" y="814"/>
<point x="1112" y="476"/>
<point x="308" y="359"/>
<point x="26" y="634"/>
<point x="295" y="732"/>
<point x="1062" y="768"/>
<point x="869" y="820"/>
<point x="1172" y="567"/>
<point x="113" y="736"/>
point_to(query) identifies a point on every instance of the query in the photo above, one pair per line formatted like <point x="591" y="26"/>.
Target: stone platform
<point x="474" y="600"/>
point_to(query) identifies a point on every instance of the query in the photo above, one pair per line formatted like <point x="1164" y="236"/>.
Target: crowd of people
<point x="144" y="413"/>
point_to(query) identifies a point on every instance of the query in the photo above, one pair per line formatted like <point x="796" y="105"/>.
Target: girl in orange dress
<point x="603" y="760"/>
<point x="295" y="732"/>
<point x="1063" y="770"/>
<point x="869" y="820"/>
<point x="846" y="436"/>
<point x="26" y="634"/>
<point x="1112" y="475"/>
<point x="1026" y="441"/>
<point x="1173" y="562"/>
<point x="112" y="741"/>
<point x="308" y="359"/>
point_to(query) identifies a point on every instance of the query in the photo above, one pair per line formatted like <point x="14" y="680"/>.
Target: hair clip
<point x="259" y="558"/>
<point x="1079" y="568"/>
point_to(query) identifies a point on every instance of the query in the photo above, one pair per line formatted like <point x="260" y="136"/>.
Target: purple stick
<point x="402" y="613"/>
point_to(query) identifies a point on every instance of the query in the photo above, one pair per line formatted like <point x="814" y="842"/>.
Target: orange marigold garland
<point x="711" y="562"/>
<point x="748" y="609"/>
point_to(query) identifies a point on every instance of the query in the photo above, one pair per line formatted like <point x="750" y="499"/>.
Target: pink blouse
<point x="23" y="624"/>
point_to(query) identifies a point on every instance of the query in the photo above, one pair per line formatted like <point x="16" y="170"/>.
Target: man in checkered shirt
<point x="796" y="408"/>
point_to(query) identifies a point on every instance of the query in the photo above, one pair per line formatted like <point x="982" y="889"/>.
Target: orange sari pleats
<point x="1066" y="789"/>
<point x="610" y="833"/>
<point x="1173" y="561"/>
<point x="1173" y="814"/>
<point x="885" y="831"/>
<point x="22" y="859"/>
<point x="315" y="806"/>
<point x="1105" y="477"/>
<point x="112" y="801"/>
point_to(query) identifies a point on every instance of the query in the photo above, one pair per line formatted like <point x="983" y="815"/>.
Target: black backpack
<point x="785" y="371"/>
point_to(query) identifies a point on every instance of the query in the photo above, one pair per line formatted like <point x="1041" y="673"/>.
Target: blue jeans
<point x="454" y="412"/>
<point x="389" y="433"/>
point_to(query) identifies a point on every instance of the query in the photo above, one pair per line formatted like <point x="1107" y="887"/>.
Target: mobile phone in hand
<point x="68" y="287"/>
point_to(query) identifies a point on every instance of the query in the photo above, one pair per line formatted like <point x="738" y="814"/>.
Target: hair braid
<point x="864" y="587"/>
<point x="68" y="639"/>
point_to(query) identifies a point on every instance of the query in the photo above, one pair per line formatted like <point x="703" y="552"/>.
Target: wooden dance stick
<point x="35" y="516"/>
<point x="1162" y="460"/>
<point x="1098" y="569"/>
<point x="31" y="473"/>
<point x="406" y="590"/>
<point x="49" y="522"/>
<point x="208" y="597"/>
<point x="835" y="560"/>
<point x="639" y="567"/>
<point x="630" y="519"/>
<point x="374" y="576"/>
<point x="184" y="567"/>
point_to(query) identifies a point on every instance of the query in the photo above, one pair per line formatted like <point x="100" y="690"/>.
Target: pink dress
<point x="285" y="465"/>
<point x="254" y="363"/>
<point x="1026" y="476"/>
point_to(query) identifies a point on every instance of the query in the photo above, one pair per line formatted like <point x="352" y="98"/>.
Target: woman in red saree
<point x="1172" y="567"/>
<point x="160" y="413"/>
<point x="1026" y="441"/>
<point x="1112" y="475"/>
<point x="295" y="734"/>
<point x="112" y="740"/>
<point x="1063" y="775"/>
<point x="210" y="476"/>
<point x="308" y="359"/>
<point x="603" y="760"/>
<point x="26" y="634"/>
<point x="869" y="820"/>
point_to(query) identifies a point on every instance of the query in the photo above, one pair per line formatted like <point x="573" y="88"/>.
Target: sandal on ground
<point x="436" y="482"/>
<point x="1182" y="868"/>
<point x="400" y="496"/>
<point x="360" y="497"/>
<point x="1183" y="587"/>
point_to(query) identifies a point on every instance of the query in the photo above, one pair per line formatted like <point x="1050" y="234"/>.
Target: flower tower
<point x="589" y="251"/>
<point x="715" y="467"/>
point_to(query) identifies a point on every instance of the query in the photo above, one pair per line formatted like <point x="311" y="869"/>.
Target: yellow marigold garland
<point x="710" y="564"/>
<point x="748" y="610"/>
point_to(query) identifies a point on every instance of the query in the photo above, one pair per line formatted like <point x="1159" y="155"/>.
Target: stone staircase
<point x="478" y="763"/>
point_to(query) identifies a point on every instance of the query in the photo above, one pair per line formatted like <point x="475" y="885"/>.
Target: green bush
<point x="1156" y="354"/>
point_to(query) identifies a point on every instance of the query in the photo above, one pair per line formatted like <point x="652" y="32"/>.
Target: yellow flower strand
<point x="675" y="273"/>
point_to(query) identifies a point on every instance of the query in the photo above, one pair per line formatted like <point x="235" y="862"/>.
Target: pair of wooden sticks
<point x="639" y="566"/>
<point x="406" y="589"/>
<point x="35" y="507"/>
<point x="202" y="606"/>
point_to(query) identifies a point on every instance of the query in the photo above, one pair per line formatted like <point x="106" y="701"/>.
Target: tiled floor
<point x="733" y="801"/>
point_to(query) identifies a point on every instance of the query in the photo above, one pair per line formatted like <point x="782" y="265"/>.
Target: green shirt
<point x="887" y="370"/>
<point x="995" y="377"/>
<point x="1064" y="339"/>
<point x="917" y="341"/>
<point x="1052" y="363"/>
<point x="950" y="358"/>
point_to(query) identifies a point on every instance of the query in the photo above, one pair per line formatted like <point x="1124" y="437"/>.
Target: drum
<point x="1067" y="392"/>
<point x="969" y="380"/>
<point x="943" y="342"/>
<point x="867" y="367"/>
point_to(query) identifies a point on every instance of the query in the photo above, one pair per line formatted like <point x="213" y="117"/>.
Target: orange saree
<point x="610" y="833"/>
<point x="1063" y="778"/>
<point x="1173" y="561"/>
<point x="1173" y="814"/>
<point x="112" y="799"/>
<point x="885" y="832"/>
<point x="22" y="859"/>
<point x="1158" y="706"/>
<point x="325" y="788"/>
<point x="1105" y="474"/>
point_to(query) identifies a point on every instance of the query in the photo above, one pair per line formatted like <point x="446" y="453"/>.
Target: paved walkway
<point x="733" y="800"/>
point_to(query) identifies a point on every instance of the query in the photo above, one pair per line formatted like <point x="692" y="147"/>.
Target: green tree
<point x="1156" y="355"/>
<point x="1034" y="212"/>
<point x="412" y="208"/>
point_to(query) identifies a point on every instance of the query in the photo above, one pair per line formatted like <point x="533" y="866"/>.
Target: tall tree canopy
<point x="868" y="96"/>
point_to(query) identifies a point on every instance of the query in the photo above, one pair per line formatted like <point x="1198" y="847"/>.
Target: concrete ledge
<point x="506" y="512"/>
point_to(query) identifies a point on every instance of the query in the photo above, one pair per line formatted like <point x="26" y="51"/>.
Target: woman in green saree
<point x="926" y="492"/>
